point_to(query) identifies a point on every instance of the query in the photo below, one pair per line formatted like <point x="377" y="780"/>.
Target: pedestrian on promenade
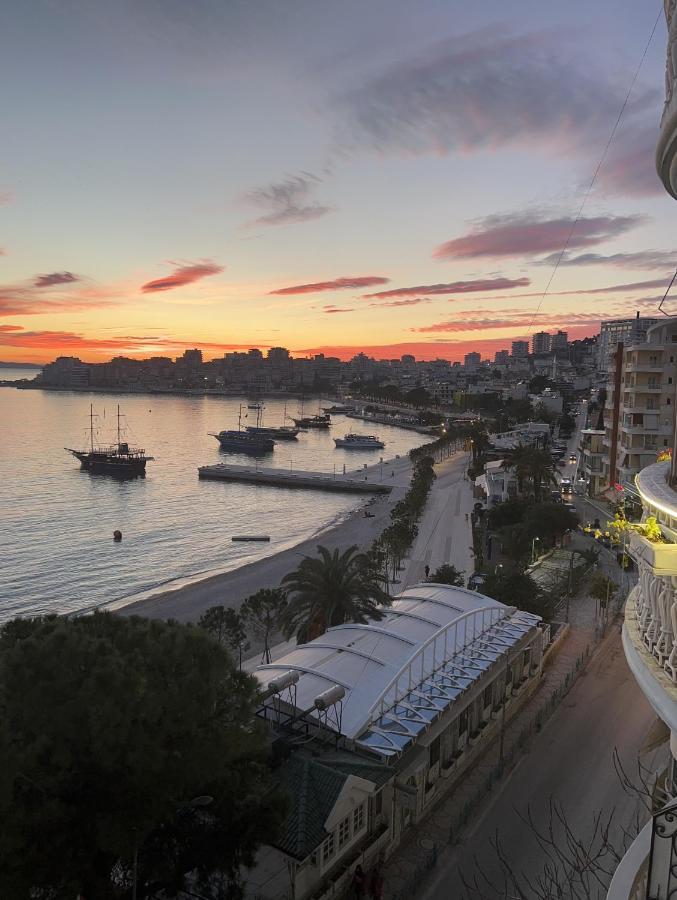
<point x="376" y="884"/>
<point x="359" y="882"/>
<point x="426" y="569"/>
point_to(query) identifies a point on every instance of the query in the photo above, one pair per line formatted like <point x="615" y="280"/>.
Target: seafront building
<point x="649" y="868"/>
<point x="377" y="721"/>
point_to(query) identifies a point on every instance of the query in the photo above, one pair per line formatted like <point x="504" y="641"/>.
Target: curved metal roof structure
<point x="401" y="673"/>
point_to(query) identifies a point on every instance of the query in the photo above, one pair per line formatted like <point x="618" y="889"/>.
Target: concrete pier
<point x="350" y="483"/>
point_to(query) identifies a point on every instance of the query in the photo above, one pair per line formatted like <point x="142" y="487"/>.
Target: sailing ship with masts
<point x="118" y="459"/>
<point x="244" y="441"/>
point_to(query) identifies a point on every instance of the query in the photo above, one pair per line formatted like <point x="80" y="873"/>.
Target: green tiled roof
<point x="313" y="790"/>
<point x="313" y="785"/>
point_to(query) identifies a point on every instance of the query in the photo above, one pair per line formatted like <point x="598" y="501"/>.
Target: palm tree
<point x="329" y="589"/>
<point x="519" y="460"/>
<point x="541" y="471"/>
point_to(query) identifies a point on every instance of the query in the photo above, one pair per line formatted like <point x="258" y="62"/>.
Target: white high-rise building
<point x="620" y="331"/>
<point x="645" y="407"/>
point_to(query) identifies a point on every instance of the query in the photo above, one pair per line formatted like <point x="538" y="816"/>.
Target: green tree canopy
<point x="261" y="613"/>
<point x="227" y="627"/>
<point x="109" y="727"/>
<point x="517" y="589"/>
<point x="510" y="512"/>
<point x="329" y="589"/>
<point x="549" y="521"/>
<point x="447" y="574"/>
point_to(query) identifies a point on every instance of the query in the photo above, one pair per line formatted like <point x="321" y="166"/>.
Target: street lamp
<point x="533" y="549"/>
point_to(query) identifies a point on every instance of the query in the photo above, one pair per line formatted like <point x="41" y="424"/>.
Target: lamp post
<point x="533" y="549"/>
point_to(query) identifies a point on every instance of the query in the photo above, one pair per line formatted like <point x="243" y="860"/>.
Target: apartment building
<point x="639" y="412"/>
<point x="540" y="342"/>
<point x="591" y="461"/>
<point x="620" y="331"/>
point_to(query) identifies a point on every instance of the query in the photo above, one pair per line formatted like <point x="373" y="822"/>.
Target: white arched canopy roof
<point x="400" y="673"/>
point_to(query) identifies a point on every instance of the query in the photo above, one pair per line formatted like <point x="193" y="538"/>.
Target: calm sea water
<point x="56" y="550"/>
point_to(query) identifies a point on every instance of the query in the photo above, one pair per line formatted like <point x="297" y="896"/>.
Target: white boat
<point x="359" y="442"/>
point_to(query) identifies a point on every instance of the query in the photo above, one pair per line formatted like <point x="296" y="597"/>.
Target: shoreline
<point x="186" y="602"/>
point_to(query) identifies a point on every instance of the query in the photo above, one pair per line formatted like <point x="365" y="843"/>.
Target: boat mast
<point x="239" y="419"/>
<point x="118" y="424"/>
<point x="91" y="425"/>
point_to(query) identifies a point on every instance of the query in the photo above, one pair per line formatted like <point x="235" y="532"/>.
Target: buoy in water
<point x="117" y="535"/>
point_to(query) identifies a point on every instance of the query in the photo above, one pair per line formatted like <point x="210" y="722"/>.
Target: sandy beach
<point x="187" y="602"/>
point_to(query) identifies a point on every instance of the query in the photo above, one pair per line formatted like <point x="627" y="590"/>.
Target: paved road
<point x="571" y="761"/>
<point x="444" y="532"/>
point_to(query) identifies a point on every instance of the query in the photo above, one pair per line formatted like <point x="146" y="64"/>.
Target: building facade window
<point x="328" y="848"/>
<point x="435" y="751"/>
<point x="344" y="831"/>
<point x="358" y="818"/>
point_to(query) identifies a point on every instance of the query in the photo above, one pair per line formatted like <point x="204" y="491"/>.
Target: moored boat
<point x="118" y="459"/>
<point x="359" y="442"/>
<point x="239" y="441"/>
<point x="279" y="433"/>
<point x="319" y="421"/>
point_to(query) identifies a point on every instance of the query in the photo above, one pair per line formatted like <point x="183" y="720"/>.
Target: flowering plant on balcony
<point x="621" y="527"/>
<point x="664" y="455"/>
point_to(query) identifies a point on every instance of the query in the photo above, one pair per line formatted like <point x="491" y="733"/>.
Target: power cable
<point x="596" y="173"/>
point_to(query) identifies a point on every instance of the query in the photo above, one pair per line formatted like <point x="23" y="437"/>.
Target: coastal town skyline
<point x="405" y="187"/>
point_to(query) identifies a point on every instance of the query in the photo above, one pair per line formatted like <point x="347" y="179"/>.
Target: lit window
<point x="328" y="848"/>
<point x="344" y="831"/>
<point x="358" y="818"/>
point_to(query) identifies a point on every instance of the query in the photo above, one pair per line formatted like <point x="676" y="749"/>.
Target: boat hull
<point x="257" y="447"/>
<point x="355" y="445"/>
<point x="123" y="468"/>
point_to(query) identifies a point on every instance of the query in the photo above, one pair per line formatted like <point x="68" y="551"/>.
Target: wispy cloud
<point x="288" y="202"/>
<point x="641" y="259"/>
<point x="16" y="336"/>
<point x="517" y="320"/>
<point x="182" y="275"/>
<point x="6" y="197"/>
<point x="453" y="287"/>
<point x="529" y="233"/>
<point x="485" y="89"/>
<point x="337" y="309"/>
<point x="54" y="278"/>
<point x="409" y="301"/>
<point x="337" y="284"/>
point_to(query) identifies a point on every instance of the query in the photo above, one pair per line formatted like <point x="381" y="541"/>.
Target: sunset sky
<point x="390" y="176"/>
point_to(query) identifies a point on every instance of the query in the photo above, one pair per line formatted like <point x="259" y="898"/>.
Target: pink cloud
<point x="454" y="287"/>
<point x="517" y="320"/>
<point x="336" y="284"/>
<point x="525" y="234"/>
<point x="337" y="309"/>
<point x="182" y="275"/>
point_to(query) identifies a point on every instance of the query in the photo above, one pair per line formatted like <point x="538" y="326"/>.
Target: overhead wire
<point x="597" y="171"/>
